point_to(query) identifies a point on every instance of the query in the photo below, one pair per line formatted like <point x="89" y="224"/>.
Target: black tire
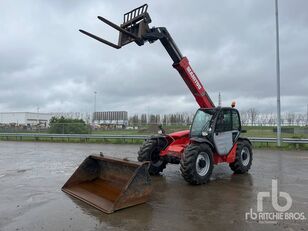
<point x="149" y="151"/>
<point x="243" y="158"/>
<point x="197" y="163"/>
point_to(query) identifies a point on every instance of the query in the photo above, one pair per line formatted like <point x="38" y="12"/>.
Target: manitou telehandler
<point x="214" y="136"/>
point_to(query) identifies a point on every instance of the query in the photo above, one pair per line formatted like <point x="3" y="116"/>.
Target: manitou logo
<point x="193" y="77"/>
<point x="281" y="214"/>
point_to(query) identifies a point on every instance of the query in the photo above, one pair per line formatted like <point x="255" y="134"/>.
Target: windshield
<point x="201" y="122"/>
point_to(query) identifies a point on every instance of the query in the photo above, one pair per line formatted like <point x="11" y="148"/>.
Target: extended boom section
<point x="193" y="83"/>
<point x="135" y="28"/>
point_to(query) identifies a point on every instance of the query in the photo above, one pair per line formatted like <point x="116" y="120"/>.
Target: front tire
<point x="243" y="158"/>
<point x="197" y="164"/>
<point x="149" y="151"/>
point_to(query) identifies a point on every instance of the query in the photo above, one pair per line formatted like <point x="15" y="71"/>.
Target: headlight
<point x="204" y="133"/>
<point x="160" y="132"/>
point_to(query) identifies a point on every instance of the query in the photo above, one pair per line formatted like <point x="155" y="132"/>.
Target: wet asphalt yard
<point x="32" y="174"/>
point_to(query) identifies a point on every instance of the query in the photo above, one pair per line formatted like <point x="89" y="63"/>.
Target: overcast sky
<point x="45" y="62"/>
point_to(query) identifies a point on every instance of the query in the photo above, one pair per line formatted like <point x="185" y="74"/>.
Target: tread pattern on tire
<point x="145" y="152"/>
<point x="188" y="163"/>
<point x="237" y="166"/>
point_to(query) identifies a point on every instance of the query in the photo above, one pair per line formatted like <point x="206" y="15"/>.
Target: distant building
<point x="111" y="118"/>
<point x="25" y="118"/>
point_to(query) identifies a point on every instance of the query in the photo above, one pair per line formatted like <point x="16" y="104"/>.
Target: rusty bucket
<point x="109" y="183"/>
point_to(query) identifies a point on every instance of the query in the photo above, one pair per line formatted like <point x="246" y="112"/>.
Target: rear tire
<point x="149" y="151"/>
<point x="197" y="164"/>
<point x="243" y="158"/>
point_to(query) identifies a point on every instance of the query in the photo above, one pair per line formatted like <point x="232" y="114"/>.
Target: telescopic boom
<point x="135" y="28"/>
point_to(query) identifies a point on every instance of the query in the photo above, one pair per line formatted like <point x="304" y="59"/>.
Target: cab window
<point x="224" y="121"/>
<point x="236" y="125"/>
<point x="201" y="122"/>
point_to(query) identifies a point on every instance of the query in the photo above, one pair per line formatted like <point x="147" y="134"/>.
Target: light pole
<point x="278" y="77"/>
<point x="37" y="115"/>
<point x="95" y="101"/>
<point x="94" y="109"/>
<point x="37" y="118"/>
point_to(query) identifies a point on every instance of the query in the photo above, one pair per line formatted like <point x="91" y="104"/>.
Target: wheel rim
<point x="202" y="164"/>
<point x="245" y="156"/>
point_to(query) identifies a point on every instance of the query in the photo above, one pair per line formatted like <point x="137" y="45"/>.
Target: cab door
<point x="224" y="133"/>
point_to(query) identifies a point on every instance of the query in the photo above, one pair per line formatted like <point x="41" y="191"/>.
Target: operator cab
<point x="220" y="126"/>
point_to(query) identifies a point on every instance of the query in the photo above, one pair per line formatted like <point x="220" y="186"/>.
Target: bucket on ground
<point x="109" y="183"/>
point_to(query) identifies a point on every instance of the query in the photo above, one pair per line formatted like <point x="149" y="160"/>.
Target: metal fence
<point x="37" y="136"/>
<point x="274" y="140"/>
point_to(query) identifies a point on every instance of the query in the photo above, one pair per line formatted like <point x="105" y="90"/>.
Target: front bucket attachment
<point x="110" y="184"/>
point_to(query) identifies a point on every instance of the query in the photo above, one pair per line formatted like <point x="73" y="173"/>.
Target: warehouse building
<point x="111" y="119"/>
<point x="25" y="118"/>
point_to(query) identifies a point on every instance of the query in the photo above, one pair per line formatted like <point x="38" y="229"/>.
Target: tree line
<point x="250" y="117"/>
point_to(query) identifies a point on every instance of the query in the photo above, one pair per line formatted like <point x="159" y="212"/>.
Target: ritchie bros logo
<point x="281" y="212"/>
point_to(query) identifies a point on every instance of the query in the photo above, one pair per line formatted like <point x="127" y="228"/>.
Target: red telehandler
<point x="214" y="136"/>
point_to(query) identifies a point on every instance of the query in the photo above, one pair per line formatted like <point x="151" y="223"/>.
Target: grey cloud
<point x="46" y="62"/>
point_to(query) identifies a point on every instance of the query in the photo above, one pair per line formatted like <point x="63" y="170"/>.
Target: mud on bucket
<point x="109" y="183"/>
